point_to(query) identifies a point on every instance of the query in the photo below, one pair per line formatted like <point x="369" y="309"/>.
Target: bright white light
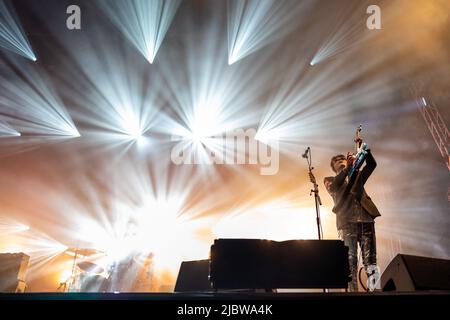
<point x="266" y="136"/>
<point x="151" y="54"/>
<point x="142" y="141"/>
<point x="206" y="120"/>
<point x="131" y="125"/>
<point x="39" y="246"/>
<point x="65" y="276"/>
<point x="232" y="59"/>
<point x="157" y="227"/>
<point x="8" y="226"/>
<point x="7" y="131"/>
<point x="73" y="132"/>
<point x="163" y="231"/>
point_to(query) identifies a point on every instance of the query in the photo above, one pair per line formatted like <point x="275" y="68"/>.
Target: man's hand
<point x="328" y="181"/>
<point x="350" y="159"/>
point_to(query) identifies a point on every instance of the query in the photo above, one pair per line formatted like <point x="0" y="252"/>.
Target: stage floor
<point x="220" y="296"/>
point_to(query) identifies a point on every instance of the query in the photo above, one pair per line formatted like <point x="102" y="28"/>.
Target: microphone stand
<point x="307" y="155"/>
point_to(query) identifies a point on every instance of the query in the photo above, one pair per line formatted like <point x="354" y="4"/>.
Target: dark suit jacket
<point x="344" y="193"/>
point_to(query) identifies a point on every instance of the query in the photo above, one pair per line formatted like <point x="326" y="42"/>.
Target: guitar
<point x="360" y="152"/>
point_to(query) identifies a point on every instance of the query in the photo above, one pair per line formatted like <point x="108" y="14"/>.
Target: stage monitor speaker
<point x="193" y="277"/>
<point x="13" y="269"/>
<point x="414" y="273"/>
<point x="265" y="264"/>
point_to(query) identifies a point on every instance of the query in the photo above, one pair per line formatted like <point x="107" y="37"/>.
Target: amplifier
<point x="265" y="264"/>
<point x="13" y="269"/>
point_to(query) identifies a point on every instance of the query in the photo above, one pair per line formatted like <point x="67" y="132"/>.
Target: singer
<point x="355" y="215"/>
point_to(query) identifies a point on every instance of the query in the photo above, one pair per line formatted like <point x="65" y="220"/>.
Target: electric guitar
<point x="360" y="152"/>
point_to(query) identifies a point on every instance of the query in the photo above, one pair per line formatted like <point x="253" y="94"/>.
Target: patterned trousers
<point x="361" y="233"/>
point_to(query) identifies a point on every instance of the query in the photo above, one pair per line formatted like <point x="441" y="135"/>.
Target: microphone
<point x="305" y="155"/>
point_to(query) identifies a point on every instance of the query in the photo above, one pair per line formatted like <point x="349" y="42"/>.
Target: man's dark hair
<point x="335" y="158"/>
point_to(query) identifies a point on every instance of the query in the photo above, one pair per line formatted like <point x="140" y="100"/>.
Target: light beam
<point x="7" y="131"/>
<point x="144" y="23"/>
<point x="12" y="36"/>
<point x="252" y="24"/>
<point x="29" y="103"/>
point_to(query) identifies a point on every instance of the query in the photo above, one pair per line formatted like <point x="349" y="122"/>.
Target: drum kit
<point x="91" y="272"/>
<point x="86" y="275"/>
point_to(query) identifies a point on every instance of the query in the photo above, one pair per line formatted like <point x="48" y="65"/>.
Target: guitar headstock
<point x="358" y="140"/>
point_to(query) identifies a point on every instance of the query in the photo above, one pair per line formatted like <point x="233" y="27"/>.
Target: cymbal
<point x="86" y="252"/>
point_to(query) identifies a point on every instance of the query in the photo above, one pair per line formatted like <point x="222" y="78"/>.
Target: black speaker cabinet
<point x="265" y="264"/>
<point x="193" y="277"/>
<point x="414" y="273"/>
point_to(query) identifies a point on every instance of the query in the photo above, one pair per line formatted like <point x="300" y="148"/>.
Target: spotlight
<point x="314" y="60"/>
<point x="7" y="131"/>
<point x="231" y="59"/>
<point x="131" y="125"/>
<point x="206" y="120"/>
<point x="75" y="133"/>
<point x="136" y="135"/>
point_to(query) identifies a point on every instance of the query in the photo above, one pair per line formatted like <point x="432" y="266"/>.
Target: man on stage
<point x="355" y="215"/>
